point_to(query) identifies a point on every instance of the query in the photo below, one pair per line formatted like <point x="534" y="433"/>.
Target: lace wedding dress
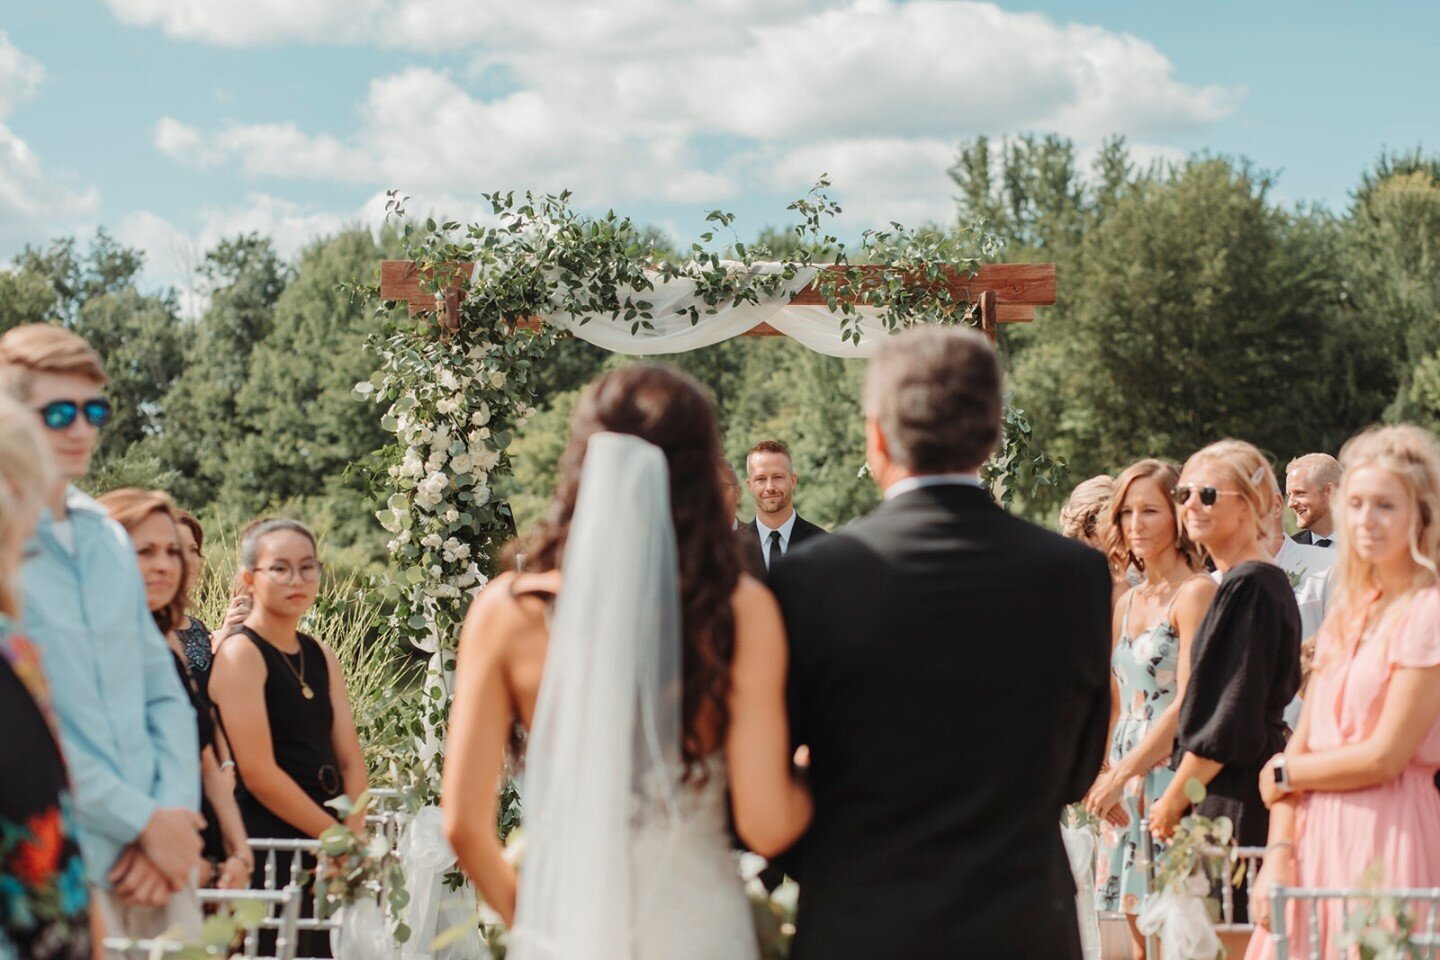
<point x="626" y="858"/>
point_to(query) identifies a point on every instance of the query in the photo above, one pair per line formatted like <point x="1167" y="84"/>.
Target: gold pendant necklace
<point x="299" y="675"/>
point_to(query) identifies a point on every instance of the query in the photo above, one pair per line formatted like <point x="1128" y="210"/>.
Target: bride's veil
<point x="604" y="757"/>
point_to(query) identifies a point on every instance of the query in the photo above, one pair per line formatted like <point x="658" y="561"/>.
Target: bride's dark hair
<point x="669" y="409"/>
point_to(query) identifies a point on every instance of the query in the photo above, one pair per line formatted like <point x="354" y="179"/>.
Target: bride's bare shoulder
<point x="513" y="604"/>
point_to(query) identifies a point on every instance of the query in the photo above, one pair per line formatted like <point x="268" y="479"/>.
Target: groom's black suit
<point x="753" y="551"/>
<point x="949" y="668"/>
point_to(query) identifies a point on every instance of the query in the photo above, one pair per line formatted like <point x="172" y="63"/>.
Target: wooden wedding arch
<point x="999" y="292"/>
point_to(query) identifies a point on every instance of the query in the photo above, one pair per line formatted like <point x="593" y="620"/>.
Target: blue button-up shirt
<point x="125" y="721"/>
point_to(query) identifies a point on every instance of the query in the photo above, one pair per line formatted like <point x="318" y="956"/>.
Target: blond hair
<point x="26" y="475"/>
<point x="1321" y="468"/>
<point x="1412" y="455"/>
<point x="1082" y="517"/>
<point x="45" y="348"/>
<point x="1248" y="469"/>
<point x="1166" y="476"/>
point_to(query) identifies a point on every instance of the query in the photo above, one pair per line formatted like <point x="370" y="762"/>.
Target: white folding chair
<point x="282" y="911"/>
<point x="1422" y="903"/>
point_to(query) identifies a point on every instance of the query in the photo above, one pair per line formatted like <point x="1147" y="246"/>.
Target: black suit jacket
<point x="949" y="668"/>
<point x="754" y="552"/>
<point x="1308" y="537"/>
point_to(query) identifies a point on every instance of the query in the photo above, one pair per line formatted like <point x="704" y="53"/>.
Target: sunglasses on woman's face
<point x="60" y="414"/>
<point x="1208" y="495"/>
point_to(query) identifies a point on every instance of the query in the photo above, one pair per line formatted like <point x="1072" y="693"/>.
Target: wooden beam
<point x="988" y="314"/>
<point x="1017" y="287"/>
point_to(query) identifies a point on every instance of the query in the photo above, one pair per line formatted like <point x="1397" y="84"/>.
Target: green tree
<point x="244" y="278"/>
<point x="94" y="293"/>
<point x="303" y="431"/>
<point x="1199" y="309"/>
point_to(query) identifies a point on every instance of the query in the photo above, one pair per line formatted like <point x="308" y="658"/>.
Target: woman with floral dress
<point x="1154" y="622"/>
<point x="44" y="901"/>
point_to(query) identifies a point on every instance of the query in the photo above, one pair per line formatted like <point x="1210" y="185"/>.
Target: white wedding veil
<point x="604" y="758"/>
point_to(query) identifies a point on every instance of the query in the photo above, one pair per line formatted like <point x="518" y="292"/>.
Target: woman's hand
<point x="240" y="606"/>
<point x="234" y="874"/>
<point x="1105" y="794"/>
<point x="1278" y="870"/>
<point x="1166" y="813"/>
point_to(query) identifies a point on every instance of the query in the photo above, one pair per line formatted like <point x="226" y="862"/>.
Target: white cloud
<point x="173" y="255"/>
<point x="31" y="200"/>
<point x="689" y="101"/>
<point x="20" y="75"/>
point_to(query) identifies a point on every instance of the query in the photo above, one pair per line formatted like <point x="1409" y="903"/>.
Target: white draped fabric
<point x="814" y="326"/>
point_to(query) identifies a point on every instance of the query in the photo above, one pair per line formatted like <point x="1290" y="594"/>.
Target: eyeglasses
<point x="1208" y="495"/>
<point x="284" y="573"/>
<point x="60" y="414"/>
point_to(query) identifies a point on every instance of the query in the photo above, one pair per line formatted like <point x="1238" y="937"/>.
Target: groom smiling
<point x="949" y="673"/>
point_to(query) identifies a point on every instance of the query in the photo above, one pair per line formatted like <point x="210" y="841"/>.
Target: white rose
<point x="482" y="416"/>
<point x="447" y="406"/>
<point x="487" y="459"/>
<point x="462" y="463"/>
<point x="452" y="515"/>
<point x="497" y="379"/>
<point x="447" y="380"/>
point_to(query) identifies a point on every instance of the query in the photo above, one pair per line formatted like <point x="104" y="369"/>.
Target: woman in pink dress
<point x="1355" y="786"/>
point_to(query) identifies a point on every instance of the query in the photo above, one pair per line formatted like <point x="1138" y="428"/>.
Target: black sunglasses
<point x="1208" y="495"/>
<point x="60" y="414"/>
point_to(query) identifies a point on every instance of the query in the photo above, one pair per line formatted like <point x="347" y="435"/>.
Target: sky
<point x="175" y="123"/>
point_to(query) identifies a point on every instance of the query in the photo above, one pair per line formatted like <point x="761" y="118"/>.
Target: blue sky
<point x="176" y="122"/>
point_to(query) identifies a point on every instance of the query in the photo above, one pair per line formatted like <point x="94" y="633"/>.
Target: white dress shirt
<point x="931" y="480"/>
<point x="764" y="531"/>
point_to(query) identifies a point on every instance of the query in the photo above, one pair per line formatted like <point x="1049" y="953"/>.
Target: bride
<point x="650" y="674"/>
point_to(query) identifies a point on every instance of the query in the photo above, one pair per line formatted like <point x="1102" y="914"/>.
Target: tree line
<point x="1192" y="305"/>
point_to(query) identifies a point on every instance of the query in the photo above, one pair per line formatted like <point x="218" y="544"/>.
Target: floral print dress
<point x="1144" y="669"/>
<point x="44" y="901"/>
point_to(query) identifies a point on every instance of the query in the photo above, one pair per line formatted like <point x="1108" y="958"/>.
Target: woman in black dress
<point x="44" y="900"/>
<point x="1245" y="658"/>
<point x="282" y="697"/>
<point x="149" y="517"/>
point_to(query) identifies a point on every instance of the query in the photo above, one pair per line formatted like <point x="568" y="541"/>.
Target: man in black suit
<point x="770" y="475"/>
<point x="1310" y="485"/>
<point x="949" y="673"/>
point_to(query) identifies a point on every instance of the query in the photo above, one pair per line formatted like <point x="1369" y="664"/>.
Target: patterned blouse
<point x="44" y="900"/>
<point x="196" y="641"/>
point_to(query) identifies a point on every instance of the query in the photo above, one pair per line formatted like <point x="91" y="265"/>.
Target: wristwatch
<point x="1282" y="774"/>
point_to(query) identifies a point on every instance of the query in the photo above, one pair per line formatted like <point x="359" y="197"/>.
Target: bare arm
<point x="1173" y="803"/>
<point x="480" y="719"/>
<point x="1412" y="703"/>
<point x="221" y="794"/>
<point x="343" y="738"/>
<point x="237" y="686"/>
<point x="1190" y="606"/>
<point x="772" y="809"/>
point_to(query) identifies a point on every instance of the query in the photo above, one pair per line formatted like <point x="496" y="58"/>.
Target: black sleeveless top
<point x="300" y="731"/>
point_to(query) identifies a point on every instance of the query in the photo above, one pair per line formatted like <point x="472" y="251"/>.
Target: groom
<point x="949" y="673"/>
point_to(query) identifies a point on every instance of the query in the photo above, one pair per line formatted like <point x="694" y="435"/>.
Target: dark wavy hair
<point x="667" y="408"/>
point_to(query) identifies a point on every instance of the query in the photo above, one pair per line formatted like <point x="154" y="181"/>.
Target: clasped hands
<point x="1103" y="801"/>
<point x="161" y="861"/>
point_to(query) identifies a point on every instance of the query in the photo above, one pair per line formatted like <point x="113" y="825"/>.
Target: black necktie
<point x="1323" y="542"/>
<point x="774" y="552"/>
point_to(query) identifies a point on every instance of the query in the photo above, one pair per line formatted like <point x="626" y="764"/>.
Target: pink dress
<point x="1339" y="836"/>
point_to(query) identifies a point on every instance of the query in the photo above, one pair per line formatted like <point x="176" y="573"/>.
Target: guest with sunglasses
<point x="1245" y="657"/>
<point x="126" y="724"/>
<point x="282" y="699"/>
